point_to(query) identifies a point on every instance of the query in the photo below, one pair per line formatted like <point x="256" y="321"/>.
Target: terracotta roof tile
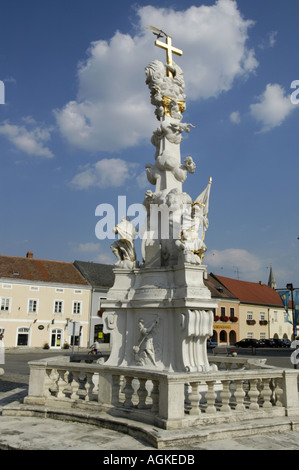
<point x="31" y="269"/>
<point x="217" y="289"/>
<point x="251" y="292"/>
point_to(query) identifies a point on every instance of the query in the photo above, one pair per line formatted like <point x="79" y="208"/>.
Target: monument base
<point x="160" y="318"/>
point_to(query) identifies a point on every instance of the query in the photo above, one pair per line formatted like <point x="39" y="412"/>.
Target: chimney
<point x="29" y="254"/>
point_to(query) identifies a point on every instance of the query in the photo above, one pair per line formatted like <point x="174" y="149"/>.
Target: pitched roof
<point x="97" y="274"/>
<point x="217" y="289"/>
<point x="251" y="292"/>
<point x="38" y="270"/>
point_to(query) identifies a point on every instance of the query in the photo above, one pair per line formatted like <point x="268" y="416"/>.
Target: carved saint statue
<point x="124" y="247"/>
<point x="144" y="352"/>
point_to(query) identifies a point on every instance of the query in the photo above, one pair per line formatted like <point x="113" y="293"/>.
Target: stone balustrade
<point x="241" y="390"/>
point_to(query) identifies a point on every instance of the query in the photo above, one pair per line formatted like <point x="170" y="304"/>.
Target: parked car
<point x="248" y="343"/>
<point x="211" y="344"/>
<point x="269" y="343"/>
<point x="286" y="343"/>
<point x="278" y="343"/>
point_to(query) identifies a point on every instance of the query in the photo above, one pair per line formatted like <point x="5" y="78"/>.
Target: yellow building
<point x="226" y="318"/>
<point x="38" y="301"/>
<point x="261" y="311"/>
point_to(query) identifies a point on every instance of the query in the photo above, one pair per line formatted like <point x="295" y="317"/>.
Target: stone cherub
<point x="167" y="162"/>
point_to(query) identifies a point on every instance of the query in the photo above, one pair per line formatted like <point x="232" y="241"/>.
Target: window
<point x="250" y="335"/>
<point x="262" y="335"/>
<point x="222" y="311"/>
<point x="77" y="307"/>
<point x="5" y="304"/>
<point x="60" y="291"/>
<point x="232" y="312"/>
<point x="262" y="316"/>
<point x="77" y="291"/>
<point x="23" y="336"/>
<point x="58" y="306"/>
<point x="249" y="316"/>
<point x="32" y="306"/>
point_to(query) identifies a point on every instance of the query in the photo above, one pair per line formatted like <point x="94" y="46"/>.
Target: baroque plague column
<point x="160" y="314"/>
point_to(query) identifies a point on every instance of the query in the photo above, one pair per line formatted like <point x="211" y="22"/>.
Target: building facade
<point x="261" y="311"/>
<point x="101" y="278"/>
<point x="41" y="299"/>
<point x="38" y="301"/>
<point x="226" y="318"/>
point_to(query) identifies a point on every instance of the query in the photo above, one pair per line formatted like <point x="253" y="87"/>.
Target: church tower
<point x="271" y="281"/>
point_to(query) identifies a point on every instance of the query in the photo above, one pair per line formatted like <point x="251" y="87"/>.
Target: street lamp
<point x="291" y="288"/>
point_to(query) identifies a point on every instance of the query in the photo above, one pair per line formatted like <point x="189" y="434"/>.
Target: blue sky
<point x="76" y="125"/>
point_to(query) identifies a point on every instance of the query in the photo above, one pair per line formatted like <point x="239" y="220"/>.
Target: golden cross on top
<point x="169" y="51"/>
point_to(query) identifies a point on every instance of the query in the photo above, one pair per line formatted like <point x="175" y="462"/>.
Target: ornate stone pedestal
<point x="160" y="319"/>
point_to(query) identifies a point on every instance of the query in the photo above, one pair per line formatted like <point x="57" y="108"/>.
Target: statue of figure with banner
<point x="194" y="225"/>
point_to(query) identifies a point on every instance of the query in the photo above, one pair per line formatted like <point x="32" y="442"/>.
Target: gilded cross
<point x="169" y="51"/>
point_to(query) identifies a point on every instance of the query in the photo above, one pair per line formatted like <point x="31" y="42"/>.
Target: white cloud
<point x="105" y="258"/>
<point x="235" y="117"/>
<point x="231" y="258"/>
<point x="273" y="107"/>
<point x="93" y="252"/>
<point x="30" y="141"/>
<point x="108" y="172"/>
<point x="88" y="247"/>
<point x="270" y="41"/>
<point x="112" y="108"/>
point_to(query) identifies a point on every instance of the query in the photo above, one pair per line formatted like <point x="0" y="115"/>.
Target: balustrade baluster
<point x="266" y="393"/>
<point x="211" y="397"/>
<point x="225" y="395"/>
<point x="194" y="397"/>
<point x="253" y="394"/>
<point x="75" y="384"/>
<point x="128" y="390"/>
<point x="239" y="395"/>
<point x="142" y="394"/>
<point x="89" y="386"/>
<point x="61" y="382"/>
